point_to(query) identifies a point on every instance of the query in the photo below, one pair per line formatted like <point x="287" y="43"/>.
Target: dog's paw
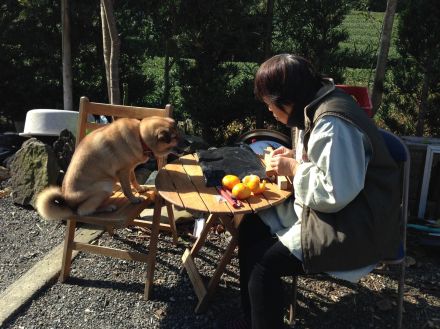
<point x="142" y="188"/>
<point x="85" y="212"/>
<point x="108" y="208"/>
<point x="135" y="200"/>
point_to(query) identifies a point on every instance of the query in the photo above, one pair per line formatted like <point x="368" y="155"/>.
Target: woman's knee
<point x="251" y="230"/>
<point x="259" y="278"/>
<point x="247" y="223"/>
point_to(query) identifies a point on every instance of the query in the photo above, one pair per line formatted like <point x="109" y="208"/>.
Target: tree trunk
<point x="166" y="75"/>
<point x="423" y="105"/>
<point x="67" y="56"/>
<point x="267" y="51"/>
<point x="113" y="64"/>
<point x="106" y="48"/>
<point x="267" y="38"/>
<point x="382" y="57"/>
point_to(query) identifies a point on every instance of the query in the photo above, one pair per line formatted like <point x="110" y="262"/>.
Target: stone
<point x="4" y="173"/>
<point x="194" y="143"/>
<point x="33" y="168"/>
<point x="64" y="147"/>
<point x="142" y="173"/>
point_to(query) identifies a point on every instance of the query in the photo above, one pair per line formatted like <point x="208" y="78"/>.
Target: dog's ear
<point x="166" y="136"/>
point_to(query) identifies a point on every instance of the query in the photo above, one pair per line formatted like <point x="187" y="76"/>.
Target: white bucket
<point x="49" y="122"/>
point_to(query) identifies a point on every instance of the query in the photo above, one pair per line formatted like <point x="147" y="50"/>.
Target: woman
<point x="343" y="218"/>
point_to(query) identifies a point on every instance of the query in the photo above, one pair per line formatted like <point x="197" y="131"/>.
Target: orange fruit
<point x="240" y="191"/>
<point x="261" y="188"/>
<point x="229" y="181"/>
<point x="252" y="181"/>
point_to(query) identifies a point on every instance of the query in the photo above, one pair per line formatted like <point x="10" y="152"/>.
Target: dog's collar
<point x="146" y="150"/>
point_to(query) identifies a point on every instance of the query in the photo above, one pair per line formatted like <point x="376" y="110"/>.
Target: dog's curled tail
<point x="51" y="204"/>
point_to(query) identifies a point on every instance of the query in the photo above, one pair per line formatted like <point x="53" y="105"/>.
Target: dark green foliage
<point x="29" y="50"/>
<point x="217" y="46"/>
<point x="416" y="112"/>
<point x="227" y="96"/>
<point x="376" y="5"/>
<point x="31" y="60"/>
<point x="312" y="29"/>
<point x="381" y="5"/>
<point x="419" y="34"/>
<point x="398" y="111"/>
<point x="218" y="30"/>
<point x="214" y="32"/>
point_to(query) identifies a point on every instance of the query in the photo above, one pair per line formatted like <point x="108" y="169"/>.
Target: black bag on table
<point x="237" y="160"/>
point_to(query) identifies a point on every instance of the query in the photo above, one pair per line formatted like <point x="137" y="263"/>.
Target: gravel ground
<point x="107" y="293"/>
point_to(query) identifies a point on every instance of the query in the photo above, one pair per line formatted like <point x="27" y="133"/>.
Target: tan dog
<point x="104" y="157"/>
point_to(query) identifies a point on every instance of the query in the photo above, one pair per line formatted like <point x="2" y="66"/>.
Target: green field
<point x="364" y="29"/>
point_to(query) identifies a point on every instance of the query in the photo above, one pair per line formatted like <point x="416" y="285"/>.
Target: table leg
<point x="203" y="235"/>
<point x="213" y="283"/>
<point x="151" y="262"/>
<point x="172" y="223"/>
<point x="203" y="292"/>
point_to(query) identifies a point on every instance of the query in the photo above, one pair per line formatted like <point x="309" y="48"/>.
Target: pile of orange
<point x="244" y="189"/>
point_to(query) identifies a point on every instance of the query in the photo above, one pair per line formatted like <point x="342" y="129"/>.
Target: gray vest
<point x="367" y="229"/>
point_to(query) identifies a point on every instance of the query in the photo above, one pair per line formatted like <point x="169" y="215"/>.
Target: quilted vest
<point x="367" y="229"/>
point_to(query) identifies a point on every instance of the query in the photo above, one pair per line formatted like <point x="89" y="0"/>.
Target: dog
<point x="104" y="157"/>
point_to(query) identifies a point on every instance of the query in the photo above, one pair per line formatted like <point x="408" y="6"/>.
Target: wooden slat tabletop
<point x="182" y="184"/>
<point x="208" y="195"/>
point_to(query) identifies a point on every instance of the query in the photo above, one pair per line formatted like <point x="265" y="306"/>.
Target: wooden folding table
<point x="182" y="183"/>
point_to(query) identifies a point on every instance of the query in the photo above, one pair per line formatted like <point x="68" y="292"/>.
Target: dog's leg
<point x="135" y="183"/>
<point x="107" y="208"/>
<point x="91" y="205"/>
<point x="124" y="179"/>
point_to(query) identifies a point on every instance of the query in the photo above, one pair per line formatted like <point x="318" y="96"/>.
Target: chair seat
<point x="125" y="209"/>
<point x="400" y="257"/>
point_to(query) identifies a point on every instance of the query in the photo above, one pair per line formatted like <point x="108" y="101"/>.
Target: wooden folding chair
<point x="127" y="213"/>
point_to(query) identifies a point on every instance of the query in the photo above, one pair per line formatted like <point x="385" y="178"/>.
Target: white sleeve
<point x="338" y="154"/>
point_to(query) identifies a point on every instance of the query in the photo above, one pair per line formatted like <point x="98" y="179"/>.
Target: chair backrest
<point x="400" y="153"/>
<point x="88" y="109"/>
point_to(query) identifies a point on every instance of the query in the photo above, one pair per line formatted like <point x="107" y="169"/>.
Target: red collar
<point x="146" y="150"/>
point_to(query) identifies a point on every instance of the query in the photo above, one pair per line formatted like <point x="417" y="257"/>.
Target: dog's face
<point x="160" y="134"/>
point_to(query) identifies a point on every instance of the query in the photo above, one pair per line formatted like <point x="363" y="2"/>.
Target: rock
<point x="186" y="126"/>
<point x="9" y="144"/>
<point x="151" y="178"/>
<point x="64" y="147"/>
<point x="410" y="261"/>
<point x="194" y="143"/>
<point x="5" y="193"/>
<point x="384" y="305"/>
<point x="33" y="168"/>
<point x="4" y="173"/>
<point x="142" y="173"/>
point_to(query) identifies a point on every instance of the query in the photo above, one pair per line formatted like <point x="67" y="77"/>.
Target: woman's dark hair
<point x="287" y="79"/>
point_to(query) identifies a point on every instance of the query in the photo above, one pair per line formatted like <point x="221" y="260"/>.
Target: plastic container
<point x="361" y="96"/>
<point x="49" y="122"/>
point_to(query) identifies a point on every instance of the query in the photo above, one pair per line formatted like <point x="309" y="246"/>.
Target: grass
<point x="364" y="29"/>
<point x="359" y="76"/>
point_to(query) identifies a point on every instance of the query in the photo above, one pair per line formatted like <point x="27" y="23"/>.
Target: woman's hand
<point x="282" y="161"/>
<point x="283" y="151"/>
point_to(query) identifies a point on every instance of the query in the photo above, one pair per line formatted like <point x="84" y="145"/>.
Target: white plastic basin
<point x="49" y="122"/>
